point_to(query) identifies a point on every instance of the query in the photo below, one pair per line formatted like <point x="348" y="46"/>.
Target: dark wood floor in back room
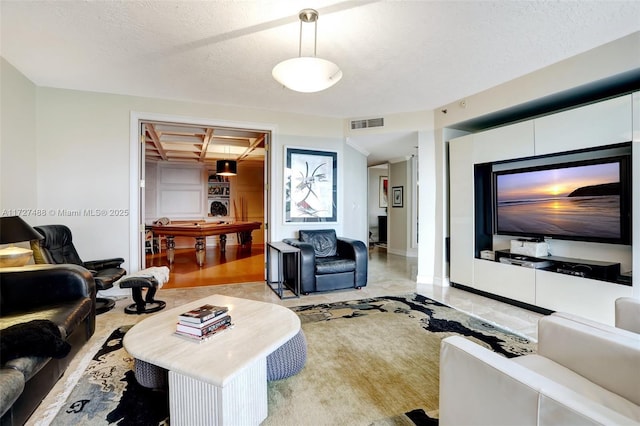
<point x="236" y="265"/>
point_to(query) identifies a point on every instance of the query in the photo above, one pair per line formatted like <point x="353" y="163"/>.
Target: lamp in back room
<point x="227" y="167"/>
<point x="15" y="230"/>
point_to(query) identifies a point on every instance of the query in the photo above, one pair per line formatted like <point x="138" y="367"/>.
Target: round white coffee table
<point x="222" y="380"/>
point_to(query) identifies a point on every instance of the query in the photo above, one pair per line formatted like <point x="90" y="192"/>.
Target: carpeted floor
<point x="370" y="362"/>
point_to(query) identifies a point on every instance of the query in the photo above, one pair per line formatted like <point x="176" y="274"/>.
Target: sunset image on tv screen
<point x="566" y="201"/>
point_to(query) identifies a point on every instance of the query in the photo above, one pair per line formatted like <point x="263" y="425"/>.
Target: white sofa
<point x="628" y="313"/>
<point x="584" y="373"/>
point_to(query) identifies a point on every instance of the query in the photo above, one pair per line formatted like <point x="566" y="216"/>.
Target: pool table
<point x="200" y="230"/>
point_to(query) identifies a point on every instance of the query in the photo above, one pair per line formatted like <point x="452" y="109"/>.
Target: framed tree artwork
<point x="383" y="196"/>
<point x="310" y="180"/>
<point x="397" y="196"/>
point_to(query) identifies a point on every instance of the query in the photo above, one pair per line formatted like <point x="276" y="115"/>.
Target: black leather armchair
<point x="57" y="247"/>
<point x="328" y="262"/>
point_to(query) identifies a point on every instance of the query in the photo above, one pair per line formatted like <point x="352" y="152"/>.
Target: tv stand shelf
<point x="593" y="269"/>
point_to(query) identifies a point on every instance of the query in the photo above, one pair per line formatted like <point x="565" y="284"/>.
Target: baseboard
<point x="513" y="302"/>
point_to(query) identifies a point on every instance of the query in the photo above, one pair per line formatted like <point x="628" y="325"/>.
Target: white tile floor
<point x="388" y="275"/>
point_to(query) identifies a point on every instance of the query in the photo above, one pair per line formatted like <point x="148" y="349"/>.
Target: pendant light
<point x="226" y="167"/>
<point x="307" y="73"/>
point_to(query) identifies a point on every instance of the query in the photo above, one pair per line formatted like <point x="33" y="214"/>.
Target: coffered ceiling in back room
<point x="192" y="144"/>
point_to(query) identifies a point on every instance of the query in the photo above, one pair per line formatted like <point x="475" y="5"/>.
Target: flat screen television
<point x="588" y="200"/>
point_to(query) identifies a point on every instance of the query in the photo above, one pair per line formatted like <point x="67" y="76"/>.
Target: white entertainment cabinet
<point x="599" y="124"/>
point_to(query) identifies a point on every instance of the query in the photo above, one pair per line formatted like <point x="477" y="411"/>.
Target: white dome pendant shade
<point x="307" y="73"/>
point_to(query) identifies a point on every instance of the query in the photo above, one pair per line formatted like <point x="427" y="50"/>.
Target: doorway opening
<point x="175" y="163"/>
<point x="378" y="205"/>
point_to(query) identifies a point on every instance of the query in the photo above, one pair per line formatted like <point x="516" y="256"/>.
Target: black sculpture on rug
<point x="420" y="418"/>
<point x="437" y="318"/>
<point x="140" y="405"/>
<point x="110" y="377"/>
<point x="436" y="325"/>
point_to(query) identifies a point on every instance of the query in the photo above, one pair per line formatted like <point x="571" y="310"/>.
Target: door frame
<point x="136" y="173"/>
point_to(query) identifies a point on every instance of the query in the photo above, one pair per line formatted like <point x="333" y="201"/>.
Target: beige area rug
<point x="370" y="362"/>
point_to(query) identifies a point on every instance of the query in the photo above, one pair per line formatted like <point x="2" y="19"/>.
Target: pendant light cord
<point x="315" y="34"/>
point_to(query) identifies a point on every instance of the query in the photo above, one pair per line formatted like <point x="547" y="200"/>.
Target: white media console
<point x="553" y="287"/>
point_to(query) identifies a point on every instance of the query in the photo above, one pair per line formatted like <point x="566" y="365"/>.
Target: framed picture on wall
<point x="383" y="196"/>
<point x="397" y="197"/>
<point x="310" y="180"/>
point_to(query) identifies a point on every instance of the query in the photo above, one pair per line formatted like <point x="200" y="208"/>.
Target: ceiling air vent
<point x="365" y="124"/>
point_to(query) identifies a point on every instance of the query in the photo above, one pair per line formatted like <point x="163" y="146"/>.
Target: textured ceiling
<point x="396" y="56"/>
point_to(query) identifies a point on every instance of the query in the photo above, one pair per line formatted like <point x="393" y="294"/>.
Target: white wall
<point x="397" y="223"/>
<point x="430" y="211"/>
<point x="83" y="164"/>
<point x="18" y="168"/>
<point x="374" y="209"/>
<point x="354" y="197"/>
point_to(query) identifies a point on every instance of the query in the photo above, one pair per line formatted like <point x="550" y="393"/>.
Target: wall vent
<point x="365" y="124"/>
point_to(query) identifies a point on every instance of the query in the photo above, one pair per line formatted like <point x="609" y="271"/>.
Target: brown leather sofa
<point x="64" y="295"/>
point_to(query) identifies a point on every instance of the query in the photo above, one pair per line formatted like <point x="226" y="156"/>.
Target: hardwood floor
<point x="236" y="265"/>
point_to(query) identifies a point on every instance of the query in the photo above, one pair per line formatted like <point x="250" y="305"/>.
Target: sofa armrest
<point x="306" y="249"/>
<point x="356" y="250"/>
<point x="605" y="355"/>
<point x="351" y="249"/>
<point x="307" y="264"/>
<point x="480" y="380"/>
<point x="628" y="314"/>
<point x="24" y="288"/>
<point x="11" y="386"/>
<point x="481" y="387"/>
<point x="595" y="324"/>
<point x="97" y="265"/>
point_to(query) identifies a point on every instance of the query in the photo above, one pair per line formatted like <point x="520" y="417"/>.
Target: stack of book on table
<point x="203" y="322"/>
